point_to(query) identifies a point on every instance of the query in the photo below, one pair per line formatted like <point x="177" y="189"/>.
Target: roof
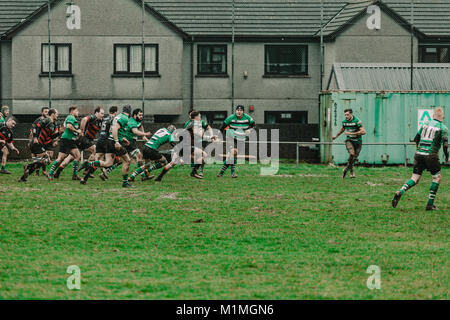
<point x="12" y="12"/>
<point x="296" y="18"/>
<point x="391" y="76"/>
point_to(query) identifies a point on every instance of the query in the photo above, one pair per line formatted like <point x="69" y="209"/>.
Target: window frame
<point x="279" y="74"/>
<point x="219" y="74"/>
<point x="423" y="48"/>
<point x="56" y="72"/>
<point x="128" y="46"/>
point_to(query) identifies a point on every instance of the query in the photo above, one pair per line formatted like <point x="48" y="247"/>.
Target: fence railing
<point x="318" y="143"/>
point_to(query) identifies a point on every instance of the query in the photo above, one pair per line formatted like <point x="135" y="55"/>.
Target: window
<point x="128" y="59"/>
<point x="212" y="60"/>
<point x="286" y="60"/>
<point x="214" y="117"/>
<point x="434" y="54"/>
<point x="164" y="118"/>
<point x="274" y="117"/>
<point x="60" y="58"/>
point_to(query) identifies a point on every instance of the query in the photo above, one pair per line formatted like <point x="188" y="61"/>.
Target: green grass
<point x="304" y="234"/>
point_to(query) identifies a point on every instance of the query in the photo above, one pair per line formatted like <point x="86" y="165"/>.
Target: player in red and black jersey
<point x="6" y="140"/>
<point x="44" y="138"/>
<point x="90" y="126"/>
<point x="34" y="132"/>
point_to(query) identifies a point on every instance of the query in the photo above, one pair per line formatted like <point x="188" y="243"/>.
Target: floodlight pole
<point x="49" y="59"/>
<point x="143" y="62"/>
<point x="232" y="57"/>
<point x="412" y="45"/>
<point x="321" y="46"/>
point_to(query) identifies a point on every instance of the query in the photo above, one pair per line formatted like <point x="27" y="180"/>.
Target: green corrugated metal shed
<point x="388" y="117"/>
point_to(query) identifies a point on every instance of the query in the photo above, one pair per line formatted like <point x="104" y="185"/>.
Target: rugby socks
<point x="125" y="179"/>
<point x="408" y="185"/>
<point x="233" y="169"/>
<point x="137" y="172"/>
<point x="161" y="175"/>
<point x="156" y="166"/>
<point x="75" y="167"/>
<point x="224" y="168"/>
<point x="53" y="167"/>
<point x="3" y="167"/>
<point x="433" y="191"/>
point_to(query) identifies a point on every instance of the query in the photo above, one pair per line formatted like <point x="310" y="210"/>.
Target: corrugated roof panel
<point x="392" y="76"/>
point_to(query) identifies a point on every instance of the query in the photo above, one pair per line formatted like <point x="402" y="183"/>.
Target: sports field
<point x="303" y="234"/>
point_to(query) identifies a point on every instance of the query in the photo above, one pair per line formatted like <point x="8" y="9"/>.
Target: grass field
<point x="303" y="234"/>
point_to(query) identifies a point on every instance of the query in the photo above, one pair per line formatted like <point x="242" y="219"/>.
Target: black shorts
<point x="430" y="163"/>
<point x="131" y="147"/>
<point x="151" y="154"/>
<point x="353" y="146"/>
<point x="110" y="148"/>
<point x="65" y="145"/>
<point x="84" y="143"/>
<point x="101" y="146"/>
<point x="49" y="146"/>
<point x="37" y="148"/>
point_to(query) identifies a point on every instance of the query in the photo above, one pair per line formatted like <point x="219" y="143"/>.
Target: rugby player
<point x="115" y="147"/>
<point x="102" y="142"/>
<point x="197" y="127"/>
<point x="67" y="144"/>
<point x="3" y="149"/>
<point x="33" y="134"/>
<point x="7" y="141"/>
<point x="150" y="153"/>
<point x="90" y="126"/>
<point x="44" y="134"/>
<point x="429" y="140"/>
<point x="237" y="127"/>
<point x="352" y="127"/>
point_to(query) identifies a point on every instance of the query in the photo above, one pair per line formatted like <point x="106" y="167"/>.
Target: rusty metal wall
<point x="389" y="117"/>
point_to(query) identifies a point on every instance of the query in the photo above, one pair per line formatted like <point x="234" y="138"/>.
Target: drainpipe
<point x="49" y="60"/>
<point x="143" y="63"/>
<point x="321" y="46"/>
<point x="192" y="74"/>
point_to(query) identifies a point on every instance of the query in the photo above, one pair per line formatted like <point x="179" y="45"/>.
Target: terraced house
<point x="275" y="67"/>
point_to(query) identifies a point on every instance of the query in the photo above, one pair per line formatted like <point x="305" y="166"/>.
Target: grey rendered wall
<point x="359" y="44"/>
<point x="389" y="44"/>
<point x="5" y="74"/>
<point x="283" y="94"/>
<point x="103" y="24"/>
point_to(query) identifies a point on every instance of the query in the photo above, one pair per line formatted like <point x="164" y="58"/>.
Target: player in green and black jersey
<point x="45" y="133"/>
<point x="352" y="127"/>
<point x="90" y="126"/>
<point x="197" y="128"/>
<point x="151" y="153"/>
<point x="236" y="127"/>
<point x="102" y="142"/>
<point x="68" y="144"/>
<point x="430" y="138"/>
<point x="7" y="141"/>
<point x="117" y="142"/>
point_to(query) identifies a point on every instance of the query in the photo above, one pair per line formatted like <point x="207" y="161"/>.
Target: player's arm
<point x="36" y="130"/>
<point x="115" y="133"/>
<point x="225" y="124"/>
<point x="360" y="132"/>
<point x="140" y="133"/>
<point x="83" y="124"/>
<point x="252" y="126"/>
<point x="12" y="147"/>
<point x="72" y="128"/>
<point x="338" y="134"/>
<point x="417" y="137"/>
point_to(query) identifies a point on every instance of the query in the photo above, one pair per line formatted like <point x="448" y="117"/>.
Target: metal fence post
<point x="406" y="159"/>
<point x="297" y="154"/>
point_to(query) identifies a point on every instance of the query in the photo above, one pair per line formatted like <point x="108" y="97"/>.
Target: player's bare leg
<point x="5" y="152"/>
